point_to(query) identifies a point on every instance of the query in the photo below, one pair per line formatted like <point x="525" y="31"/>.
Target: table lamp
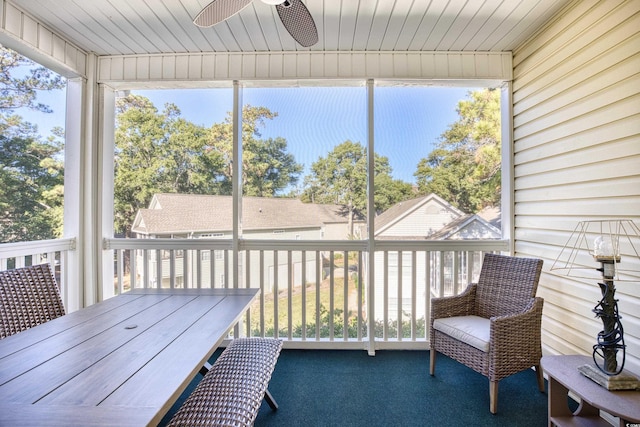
<point x="605" y="250"/>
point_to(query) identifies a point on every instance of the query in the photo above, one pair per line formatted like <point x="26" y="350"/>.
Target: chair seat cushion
<point x="472" y="330"/>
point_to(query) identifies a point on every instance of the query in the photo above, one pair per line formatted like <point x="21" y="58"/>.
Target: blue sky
<point x="408" y="120"/>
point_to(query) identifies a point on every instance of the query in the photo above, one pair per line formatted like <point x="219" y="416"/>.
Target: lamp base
<point x="622" y="381"/>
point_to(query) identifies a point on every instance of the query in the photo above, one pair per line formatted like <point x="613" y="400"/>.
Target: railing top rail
<point x="10" y="250"/>
<point x="168" y="244"/>
<point x="442" y="245"/>
<point x="309" y="245"/>
<point x="227" y="244"/>
<point x="304" y="245"/>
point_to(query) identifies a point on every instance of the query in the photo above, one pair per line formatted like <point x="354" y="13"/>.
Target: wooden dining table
<point x="121" y="362"/>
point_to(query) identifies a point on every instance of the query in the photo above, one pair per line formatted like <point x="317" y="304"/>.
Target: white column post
<point x="105" y="170"/>
<point x="90" y="178"/>
<point x="508" y="196"/>
<point x="370" y="220"/>
<point x="237" y="189"/>
<point x="74" y="190"/>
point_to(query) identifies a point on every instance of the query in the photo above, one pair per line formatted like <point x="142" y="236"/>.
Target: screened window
<point x="32" y="115"/>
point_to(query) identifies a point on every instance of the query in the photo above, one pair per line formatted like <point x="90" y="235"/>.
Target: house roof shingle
<point x="184" y="213"/>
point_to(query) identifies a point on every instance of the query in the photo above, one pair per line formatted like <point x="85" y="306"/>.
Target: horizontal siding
<point x="422" y="221"/>
<point x="576" y="102"/>
<point x="194" y="68"/>
<point x="583" y="33"/>
<point x="21" y="32"/>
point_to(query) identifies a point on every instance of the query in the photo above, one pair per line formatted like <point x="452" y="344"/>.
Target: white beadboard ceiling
<point x="129" y="27"/>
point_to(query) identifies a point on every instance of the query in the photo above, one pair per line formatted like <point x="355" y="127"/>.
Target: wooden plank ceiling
<point x="126" y="27"/>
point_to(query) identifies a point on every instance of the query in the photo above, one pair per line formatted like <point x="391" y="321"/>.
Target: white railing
<point x="54" y="252"/>
<point x="314" y="293"/>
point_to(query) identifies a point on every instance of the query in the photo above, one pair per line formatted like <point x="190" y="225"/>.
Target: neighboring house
<point x="205" y="216"/>
<point x="416" y="218"/>
<point x="426" y="218"/>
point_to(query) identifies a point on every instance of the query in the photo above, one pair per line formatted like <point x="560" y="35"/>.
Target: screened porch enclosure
<point x="570" y="85"/>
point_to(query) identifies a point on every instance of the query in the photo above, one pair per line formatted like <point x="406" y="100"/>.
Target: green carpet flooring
<point x="393" y="388"/>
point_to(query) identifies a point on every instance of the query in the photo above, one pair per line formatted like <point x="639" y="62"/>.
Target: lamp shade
<point x="614" y="242"/>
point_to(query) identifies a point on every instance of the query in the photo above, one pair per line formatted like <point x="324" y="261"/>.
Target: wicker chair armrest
<point x="515" y="332"/>
<point x="457" y="305"/>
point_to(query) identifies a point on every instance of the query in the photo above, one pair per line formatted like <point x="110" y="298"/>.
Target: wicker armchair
<point x="29" y="296"/>
<point x="493" y="327"/>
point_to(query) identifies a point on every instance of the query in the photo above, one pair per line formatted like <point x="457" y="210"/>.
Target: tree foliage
<point x="341" y="178"/>
<point x="161" y="152"/>
<point x="17" y="90"/>
<point x="31" y="168"/>
<point x="158" y="152"/>
<point x="267" y="167"/>
<point x="465" y="167"/>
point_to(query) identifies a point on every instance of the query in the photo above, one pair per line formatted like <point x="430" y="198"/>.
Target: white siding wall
<point x="424" y="220"/>
<point x="336" y="231"/>
<point x="22" y="33"/>
<point x="475" y="230"/>
<point x="171" y="69"/>
<point x="577" y="156"/>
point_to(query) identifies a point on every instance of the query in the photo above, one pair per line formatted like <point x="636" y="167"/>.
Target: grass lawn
<point x="310" y="301"/>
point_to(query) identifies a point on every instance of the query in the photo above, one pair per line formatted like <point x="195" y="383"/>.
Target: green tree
<point x="31" y="167"/>
<point x="465" y="167"/>
<point x="158" y="152"/>
<point x="267" y="167"/>
<point x="20" y="90"/>
<point x="341" y="178"/>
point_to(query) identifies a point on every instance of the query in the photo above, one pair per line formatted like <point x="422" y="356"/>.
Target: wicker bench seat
<point x="231" y="393"/>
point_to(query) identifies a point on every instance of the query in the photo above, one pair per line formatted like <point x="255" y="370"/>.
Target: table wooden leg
<point x="558" y="404"/>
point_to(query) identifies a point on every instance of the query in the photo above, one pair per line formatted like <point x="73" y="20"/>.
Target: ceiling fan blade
<point x="298" y="21"/>
<point x="218" y="11"/>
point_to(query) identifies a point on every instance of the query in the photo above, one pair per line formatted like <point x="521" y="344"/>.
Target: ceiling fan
<point x="293" y="13"/>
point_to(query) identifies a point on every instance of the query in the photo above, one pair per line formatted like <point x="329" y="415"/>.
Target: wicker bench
<point x="231" y="393"/>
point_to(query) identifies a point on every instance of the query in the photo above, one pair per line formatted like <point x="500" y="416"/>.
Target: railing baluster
<point x="158" y="269"/>
<point x="276" y="292"/>
<point x="318" y="281"/>
<point x="262" y="295"/>
<point x="331" y="294"/>
<point x="345" y="305"/>
<point x="385" y="326"/>
<point x="359" y="289"/>
<point x="227" y="280"/>
<point x="132" y="267"/>
<point x="455" y="272"/>
<point x="303" y="296"/>
<point x="247" y="282"/>
<point x="290" y="282"/>
<point x="414" y="295"/>
<point x="441" y="278"/>
<point x="145" y="268"/>
<point x="198" y="262"/>
<point x="427" y="293"/>
<point x="186" y="270"/>
<point x="212" y="267"/>
<point x="120" y="266"/>
<point x="172" y="269"/>
<point x="399" y="296"/>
